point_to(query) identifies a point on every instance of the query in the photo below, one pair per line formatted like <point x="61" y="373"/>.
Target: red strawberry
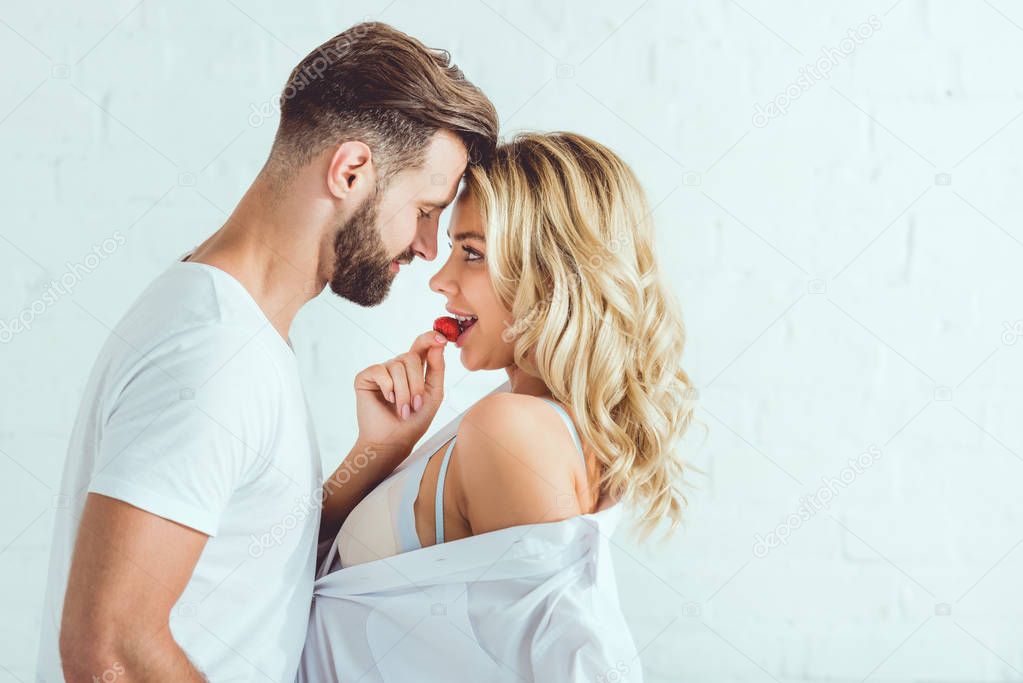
<point x="447" y="326"/>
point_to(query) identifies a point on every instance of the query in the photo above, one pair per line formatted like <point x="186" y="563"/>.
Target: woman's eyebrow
<point x="467" y="235"/>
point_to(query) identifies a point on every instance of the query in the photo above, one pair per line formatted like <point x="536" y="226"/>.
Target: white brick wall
<point x="833" y="283"/>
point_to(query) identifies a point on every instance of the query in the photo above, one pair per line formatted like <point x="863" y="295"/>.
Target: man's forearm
<point x="365" y="466"/>
<point x="157" y="659"/>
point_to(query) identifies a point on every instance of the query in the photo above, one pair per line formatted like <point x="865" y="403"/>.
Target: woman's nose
<point x="441" y="283"/>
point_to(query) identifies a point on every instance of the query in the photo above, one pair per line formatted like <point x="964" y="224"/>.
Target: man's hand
<point x="128" y="569"/>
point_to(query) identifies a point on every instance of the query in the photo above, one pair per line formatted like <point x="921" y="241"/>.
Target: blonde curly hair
<point x="570" y="252"/>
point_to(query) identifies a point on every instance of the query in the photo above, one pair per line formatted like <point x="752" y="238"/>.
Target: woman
<point x="484" y="555"/>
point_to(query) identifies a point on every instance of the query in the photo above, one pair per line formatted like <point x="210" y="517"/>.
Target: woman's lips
<point x="465" y="330"/>
<point x="447" y="326"/>
<point x="453" y="329"/>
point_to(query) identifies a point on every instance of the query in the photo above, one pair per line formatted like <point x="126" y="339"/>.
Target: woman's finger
<point x="402" y="399"/>
<point x="414" y="373"/>
<point x="376" y="378"/>
<point x="434" y="380"/>
<point x="427" y="341"/>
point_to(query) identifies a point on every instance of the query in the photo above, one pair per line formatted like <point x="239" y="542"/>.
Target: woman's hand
<point x="397" y="400"/>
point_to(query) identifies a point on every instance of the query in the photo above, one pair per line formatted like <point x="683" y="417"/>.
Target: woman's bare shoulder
<point x="515" y="462"/>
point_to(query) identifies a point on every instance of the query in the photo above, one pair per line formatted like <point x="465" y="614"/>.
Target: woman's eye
<point x="469" y="253"/>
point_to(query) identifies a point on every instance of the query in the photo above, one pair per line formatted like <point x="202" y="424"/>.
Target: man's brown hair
<point x="378" y="85"/>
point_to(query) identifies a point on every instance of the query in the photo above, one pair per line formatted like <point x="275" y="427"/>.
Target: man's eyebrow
<point x="442" y="203"/>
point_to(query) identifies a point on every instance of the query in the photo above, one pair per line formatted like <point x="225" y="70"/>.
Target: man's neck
<point x="272" y="250"/>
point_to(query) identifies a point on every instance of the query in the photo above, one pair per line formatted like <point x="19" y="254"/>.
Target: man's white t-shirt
<point x="194" y="412"/>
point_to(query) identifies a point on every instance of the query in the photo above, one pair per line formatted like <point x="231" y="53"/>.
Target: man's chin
<point x="366" y="294"/>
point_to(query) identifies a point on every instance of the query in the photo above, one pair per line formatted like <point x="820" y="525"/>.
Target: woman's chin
<point x="469" y="362"/>
<point x="480" y="352"/>
<point x="474" y="358"/>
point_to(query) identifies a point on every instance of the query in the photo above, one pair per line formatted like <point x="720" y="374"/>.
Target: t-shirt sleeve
<point x="191" y="424"/>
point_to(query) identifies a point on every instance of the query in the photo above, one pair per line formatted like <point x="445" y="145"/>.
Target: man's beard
<point x="362" y="268"/>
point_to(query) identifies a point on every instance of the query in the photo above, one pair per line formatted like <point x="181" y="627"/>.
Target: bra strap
<point x="439" y="501"/>
<point x="571" y="427"/>
<point x="439" y="504"/>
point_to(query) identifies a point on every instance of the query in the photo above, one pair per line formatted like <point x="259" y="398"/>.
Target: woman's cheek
<point x="505" y="342"/>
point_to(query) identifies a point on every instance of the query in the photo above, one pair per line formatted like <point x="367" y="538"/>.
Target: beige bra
<point x="384" y="522"/>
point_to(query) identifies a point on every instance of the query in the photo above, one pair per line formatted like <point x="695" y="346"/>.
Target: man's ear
<point x="351" y="171"/>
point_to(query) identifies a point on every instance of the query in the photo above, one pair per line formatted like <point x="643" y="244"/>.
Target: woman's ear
<point x="351" y="171"/>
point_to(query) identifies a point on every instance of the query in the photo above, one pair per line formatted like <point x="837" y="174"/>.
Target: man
<point x="187" y="543"/>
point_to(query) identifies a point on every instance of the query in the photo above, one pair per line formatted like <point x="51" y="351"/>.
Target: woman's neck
<point x="524" y="383"/>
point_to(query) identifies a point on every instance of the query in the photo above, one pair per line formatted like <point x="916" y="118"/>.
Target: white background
<point x="849" y="274"/>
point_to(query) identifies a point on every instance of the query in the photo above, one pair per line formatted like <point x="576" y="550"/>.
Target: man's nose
<point x="425" y="246"/>
<point x="426" y="255"/>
